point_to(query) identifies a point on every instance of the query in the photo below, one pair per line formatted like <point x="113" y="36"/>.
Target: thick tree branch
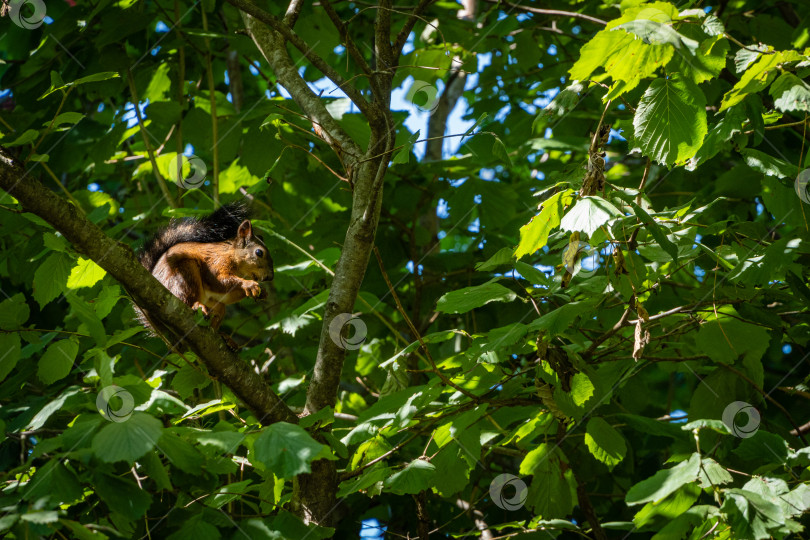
<point x="120" y="262"/>
<point x="382" y="37"/>
<point x="293" y="10"/>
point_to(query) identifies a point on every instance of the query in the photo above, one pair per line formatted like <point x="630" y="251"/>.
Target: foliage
<point x="519" y="322"/>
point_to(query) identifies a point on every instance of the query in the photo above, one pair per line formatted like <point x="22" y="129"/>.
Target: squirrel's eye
<point x="259" y="253"/>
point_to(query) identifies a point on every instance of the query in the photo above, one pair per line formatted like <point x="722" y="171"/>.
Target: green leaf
<point x="195" y="527"/>
<point x="468" y="298"/>
<point x="763" y="447"/>
<point x="50" y="278"/>
<point x="121" y="495"/>
<point x="713" y="26"/>
<point x="415" y="477"/>
<point x="534" y="235"/>
<point x="53" y="482"/>
<point x="370" y="478"/>
<point x="9" y="353"/>
<point x="625" y="58"/>
<point x="728" y="339"/>
<point x="713" y="474"/>
<point x="181" y="453"/>
<point x="562" y="103"/>
<point x="404" y="155"/>
<point x="500" y="152"/>
<point x="154" y="467"/>
<point x="557" y="321"/>
<point x="86" y="273"/>
<point x="535" y="458"/>
<point x="13" y="312"/>
<point x="715" y="140"/>
<point x="703" y="64"/>
<point x="288" y="450"/>
<point x="790" y="93"/>
<point x="57" y="361"/>
<point x="188" y="379"/>
<point x="656" y="231"/>
<point x="769" y="165"/>
<point x="588" y="215"/>
<point x="57" y="85"/>
<point x="128" y="440"/>
<point x="29" y="136"/>
<point x="87" y="315"/>
<point x="235" y="177"/>
<point x="673" y="505"/>
<point x="502" y="257"/>
<point x="159" y="85"/>
<point x="581" y="389"/>
<point x="757" y="77"/>
<point x="52" y="407"/>
<point x="41" y="518"/>
<point x="664" y="482"/>
<point x="604" y="442"/>
<point x="670" y="120"/>
<point x="226" y="441"/>
<point x="654" y="31"/>
<point x="65" y="118"/>
<point x="549" y="494"/>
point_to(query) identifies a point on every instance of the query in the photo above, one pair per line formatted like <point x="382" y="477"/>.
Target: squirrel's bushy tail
<point x="219" y="226"/>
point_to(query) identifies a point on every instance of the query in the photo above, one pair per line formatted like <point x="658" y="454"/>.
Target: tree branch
<point x="120" y="262"/>
<point x="271" y="45"/>
<point x="288" y="34"/>
<point x="552" y="12"/>
<point x="351" y="47"/>
<point x="293" y="10"/>
<point x="402" y="37"/>
<point x="382" y="37"/>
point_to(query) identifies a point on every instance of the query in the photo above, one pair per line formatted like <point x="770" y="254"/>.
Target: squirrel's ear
<point x="245" y="230"/>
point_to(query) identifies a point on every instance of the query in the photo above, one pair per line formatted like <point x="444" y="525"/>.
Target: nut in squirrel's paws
<point x="252" y="289"/>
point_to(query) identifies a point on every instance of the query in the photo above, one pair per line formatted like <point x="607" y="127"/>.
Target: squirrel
<point x="209" y="262"/>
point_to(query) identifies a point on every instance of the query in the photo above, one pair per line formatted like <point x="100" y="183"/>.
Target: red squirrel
<point x="209" y="262"/>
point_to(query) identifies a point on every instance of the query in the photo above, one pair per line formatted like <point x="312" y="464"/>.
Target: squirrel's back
<point x="220" y="226"/>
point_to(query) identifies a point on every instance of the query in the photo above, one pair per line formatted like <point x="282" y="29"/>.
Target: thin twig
<point x="416" y="333"/>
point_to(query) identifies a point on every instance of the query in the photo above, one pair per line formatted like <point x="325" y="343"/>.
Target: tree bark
<point x="120" y="262"/>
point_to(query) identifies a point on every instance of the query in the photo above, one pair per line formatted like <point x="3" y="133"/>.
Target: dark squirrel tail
<point x="219" y="226"/>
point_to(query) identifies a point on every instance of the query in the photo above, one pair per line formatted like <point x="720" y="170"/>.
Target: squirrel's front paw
<point x="252" y="288"/>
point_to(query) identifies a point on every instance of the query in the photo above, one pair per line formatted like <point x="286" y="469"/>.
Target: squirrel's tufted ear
<point x="245" y="230"/>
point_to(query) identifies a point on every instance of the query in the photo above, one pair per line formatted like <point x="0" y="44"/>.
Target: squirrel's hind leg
<point x="186" y="283"/>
